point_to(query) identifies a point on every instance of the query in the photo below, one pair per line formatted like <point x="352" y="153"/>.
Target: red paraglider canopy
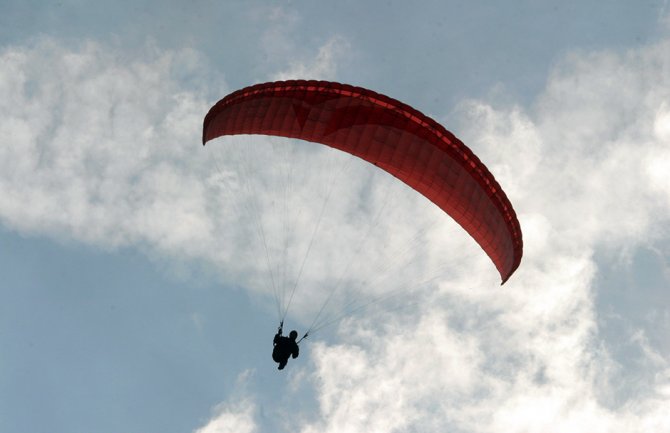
<point x="389" y="134"/>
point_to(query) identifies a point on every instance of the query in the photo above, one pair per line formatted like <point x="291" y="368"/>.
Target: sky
<point x="144" y="275"/>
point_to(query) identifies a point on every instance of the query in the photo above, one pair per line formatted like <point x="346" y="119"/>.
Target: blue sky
<point x="135" y="296"/>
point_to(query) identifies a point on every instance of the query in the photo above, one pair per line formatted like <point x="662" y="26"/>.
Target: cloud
<point x="97" y="147"/>
<point x="587" y="170"/>
<point x="323" y="225"/>
<point x="278" y="41"/>
<point x="236" y="414"/>
<point x="231" y="418"/>
<point x="103" y="147"/>
<point x="295" y="56"/>
<point x="322" y="67"/>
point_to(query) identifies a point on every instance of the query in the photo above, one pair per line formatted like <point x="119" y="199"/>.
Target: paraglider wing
<point x="389" y="134"/>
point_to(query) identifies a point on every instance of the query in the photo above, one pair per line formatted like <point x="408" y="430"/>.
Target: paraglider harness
<point x="281" y="329"/>
<point x="285" y="347"/>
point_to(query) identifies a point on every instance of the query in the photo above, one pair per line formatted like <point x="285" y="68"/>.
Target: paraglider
<point x="392" y="136"/>
<point x="284" y="347"/>
<point x="389" y="134"/>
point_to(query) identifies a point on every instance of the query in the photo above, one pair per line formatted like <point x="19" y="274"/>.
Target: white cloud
<point x="236" y="414"/>
<point x="277" y="39"/>
<point x="231" y="418"/>
<point x="290" y="52"/>
<point x="103" y="147"/>
<point x="96" y="146"/>
<point x="586" y="170"/>
<point x="322" y="67"/>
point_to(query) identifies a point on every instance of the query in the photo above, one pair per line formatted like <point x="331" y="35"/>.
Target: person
<point x="284" y="347"/>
